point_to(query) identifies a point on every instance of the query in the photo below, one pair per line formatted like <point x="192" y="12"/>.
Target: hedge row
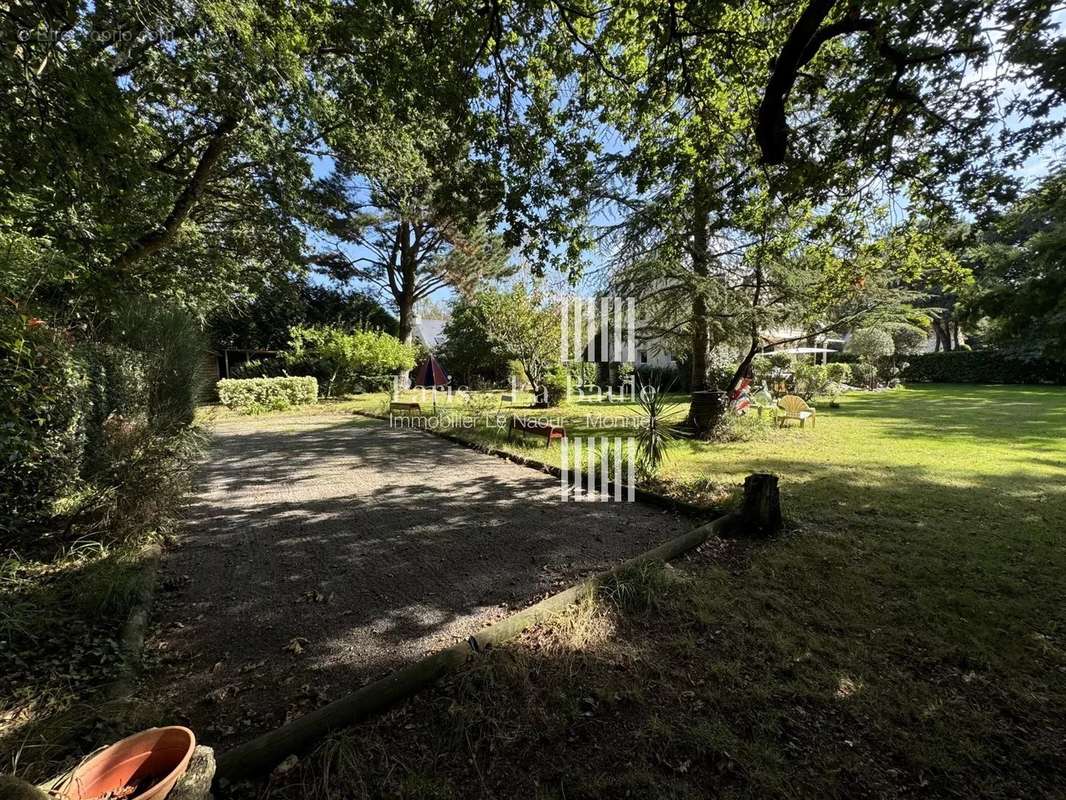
<point x="262" y="394"/>
<point x="75" y="414"/>
<point x="982" y="366"/>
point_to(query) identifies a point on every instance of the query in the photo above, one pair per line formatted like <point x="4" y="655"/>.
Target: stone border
<point x="575" y="476"/>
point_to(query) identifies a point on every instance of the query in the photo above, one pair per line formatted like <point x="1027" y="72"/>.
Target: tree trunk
<point x="701" y="338"/>
<point x="705" y="410"/>
<point x="404" y="294"/>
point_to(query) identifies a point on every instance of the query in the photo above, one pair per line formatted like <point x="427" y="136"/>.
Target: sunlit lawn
<point x="905" y="637"/>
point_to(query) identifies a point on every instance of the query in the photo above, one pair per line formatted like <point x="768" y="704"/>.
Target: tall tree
<point x="858" y="104"/>
<point x="405" y="211"/>
<point x="1020" y="261"/>
<point x="156" y="148"/>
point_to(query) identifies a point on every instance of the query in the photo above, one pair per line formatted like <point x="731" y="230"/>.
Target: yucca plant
<point x="658" y="428"/>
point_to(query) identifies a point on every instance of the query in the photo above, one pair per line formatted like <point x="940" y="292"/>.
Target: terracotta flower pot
<point x="144" y="766"/>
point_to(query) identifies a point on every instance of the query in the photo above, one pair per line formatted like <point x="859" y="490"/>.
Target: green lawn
<point x="905" y="638"/>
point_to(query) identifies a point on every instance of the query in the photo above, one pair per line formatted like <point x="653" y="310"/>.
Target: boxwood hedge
<point x="260" y="394"/>
<point x="982" y="366"/>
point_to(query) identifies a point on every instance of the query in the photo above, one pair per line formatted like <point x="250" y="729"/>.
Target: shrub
<point x="173" y="347"/>
<point x="583" y="373"/>
<point x="871" y="343"/>
<point x="982" y="366"/>
<point x="555" y="384"/>
<point x="667" y="379"/>
<point x="118" y="388"/>
<point x="838" y="372"/>
<point x="811" y="380"/>
<point x="865" y="374"/>
<point x="43" y="389"/>
<point x="259" y="368"/>
<point x="908" y="339"/>
<point x="258" y="394"/>
<point x="340" y="358"/>
<point x="516" y="373"/>
<point x="780" y="361"/>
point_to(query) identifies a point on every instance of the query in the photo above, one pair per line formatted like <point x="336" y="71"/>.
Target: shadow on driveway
<point x="321" y="553"/>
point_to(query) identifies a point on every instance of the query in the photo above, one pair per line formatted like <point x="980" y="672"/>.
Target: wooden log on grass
<point x="260" y="754"/>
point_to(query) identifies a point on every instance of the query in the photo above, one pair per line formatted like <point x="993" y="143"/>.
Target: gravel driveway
<point x="321" y="552"/>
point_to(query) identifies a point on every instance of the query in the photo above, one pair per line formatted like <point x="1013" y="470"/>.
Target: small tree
<point x="526" y="327"/>
<point x="908" y="339"/>
<point x="341" y="357"/>
<point x="468" y="351"/>
<point x="871" y="343"/>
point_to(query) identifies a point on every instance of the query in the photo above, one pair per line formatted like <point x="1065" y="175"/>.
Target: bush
<point x="838" y="372"/>
<point x="253" y="395"/>
<point x="865" y="374"/>
<point x="982" y="366"/>
<point x="871" y="343"/>
<point x="554" y="389"/>
<point x="811" y="380"/>
<point x="340" y="359"/>
<point x="259" y="368"/>
<point x="908" y="339"/>
<point x="667" y="379"/>
<point x="43" y="389"/>
<point x="82" y="422"/>
<point x="583" y="373"/>
<point x="118" y="388"/>
<point x="516" y="374"/>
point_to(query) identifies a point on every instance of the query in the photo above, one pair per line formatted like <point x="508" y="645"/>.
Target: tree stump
<point x="195" y="784"/>
<point x="761" y="511"/>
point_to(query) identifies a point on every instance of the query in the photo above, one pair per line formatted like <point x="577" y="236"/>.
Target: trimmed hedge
<point x="982" y="366"/>
<point x="267" y="394"/>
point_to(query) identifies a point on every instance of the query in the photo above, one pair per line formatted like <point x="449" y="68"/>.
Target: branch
<point x="157" y="239"/>
<point x="770" y="129"/>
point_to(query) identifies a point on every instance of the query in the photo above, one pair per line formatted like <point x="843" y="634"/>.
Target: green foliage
<point x="254" y="395"/>
<point x="524" y="326"/>
<point x="811" y="379"/>
<point x="1021" y="266"/>
<point x="468" y="352"/>
<point x="340" y="358"/>
<point x="173" y="347"/>
<point x="583" y="373"/>
<point x="864" y="374"/>
<point x="516" y="373"/>
<point x="84" y="424"/>
<point x="43" y="389"/>
<point x="259" y="368"/>
<point x="658" y="429"/>
<point x="117" y="387"/>
<point x="649" y="375"/>
<point x="554" y="387"/>
<point x="288" y="301"/>
<point x="871" y="343"/>
<point x="908" y="339"/>
<point x="983" y="366"/>
<point x="838" y="372"/>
